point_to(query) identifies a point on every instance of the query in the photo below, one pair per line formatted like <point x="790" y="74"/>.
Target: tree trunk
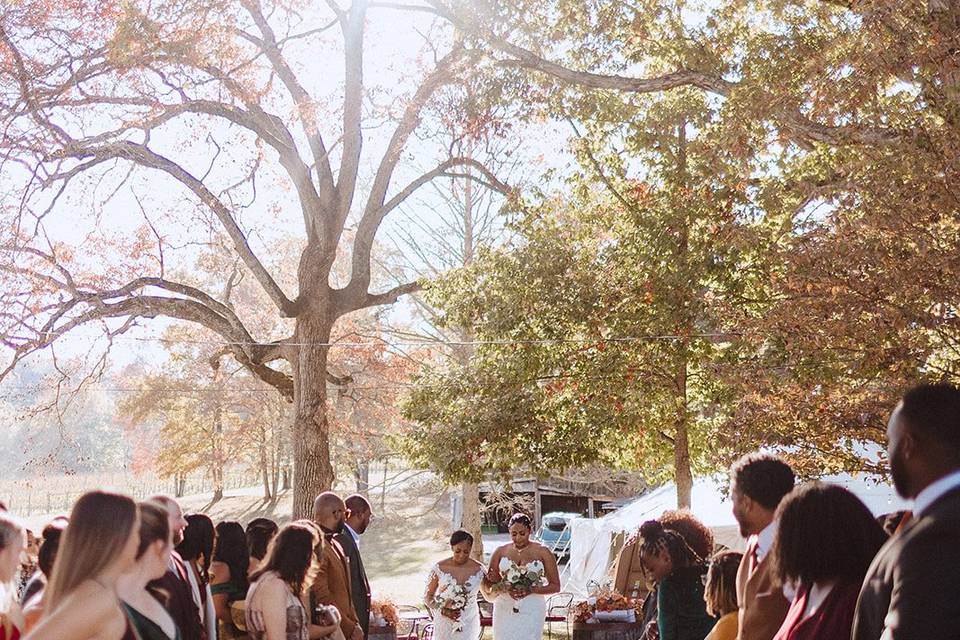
<point x="265" y="466"/>
<point x="683" y="477"/>
<point x="312" y="472"/>
<point x="216" y="470"/>
<point x="361" y="473"/>
<point x="471" y="518"/>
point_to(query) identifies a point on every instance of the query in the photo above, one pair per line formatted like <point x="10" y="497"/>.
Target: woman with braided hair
<point x="678" y="573"/>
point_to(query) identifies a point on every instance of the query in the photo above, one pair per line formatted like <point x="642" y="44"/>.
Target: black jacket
<point x="912" y="589"/>
<point x="175" y="586"/>
<point x="359" y="587"/>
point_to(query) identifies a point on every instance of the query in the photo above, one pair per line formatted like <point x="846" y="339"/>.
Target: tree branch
<point x="143" y="156"/>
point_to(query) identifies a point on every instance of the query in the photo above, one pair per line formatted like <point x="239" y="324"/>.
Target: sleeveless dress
<point x="468" y="626"/>
<point x="146" y="629"/>
<point x="298" y="624"/>
<point x="526" y="623"/>
<point x="227" y="630"/>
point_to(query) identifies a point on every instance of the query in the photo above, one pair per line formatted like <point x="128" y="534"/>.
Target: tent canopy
<point x="595" y="542"/>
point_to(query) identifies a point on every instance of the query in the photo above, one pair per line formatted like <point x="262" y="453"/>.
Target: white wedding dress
<point x="524" y="624"/>
<point x="468" y="627"/>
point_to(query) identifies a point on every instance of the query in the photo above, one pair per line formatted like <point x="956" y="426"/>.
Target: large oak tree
<point x="203" y="103"/>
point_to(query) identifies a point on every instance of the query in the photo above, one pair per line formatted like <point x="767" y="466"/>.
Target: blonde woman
<point x="80" y="602"/>
<point x="13" y="540"/>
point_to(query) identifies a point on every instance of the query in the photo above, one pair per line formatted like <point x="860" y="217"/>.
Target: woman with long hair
<point x="148" y="616"/>
<point x="32" y="597"/>
<point x="49" y="546"/>
<point x="228" y="574"/>
<point x="99" y="545"/>
<point x="275" y="604"/>
<point x="13" y="541"/>
<point x="196" y="550"/>
<point x="678" y="573"/>
<point x="260" y="531"/>
<point x="825" y="543"/>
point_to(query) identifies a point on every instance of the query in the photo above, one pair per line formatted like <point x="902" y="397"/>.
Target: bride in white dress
<point x="459" y="569"/>
<point x="519" y="614"/>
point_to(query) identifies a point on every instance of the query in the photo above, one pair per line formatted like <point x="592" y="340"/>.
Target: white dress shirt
<point x="934" y="492"/>
<point x="353" y="534"/>
<point x="765" y="540"/>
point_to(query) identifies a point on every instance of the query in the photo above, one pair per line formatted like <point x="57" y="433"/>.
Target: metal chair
<point x="408" y="629"/>
<point x="558" y="610"/>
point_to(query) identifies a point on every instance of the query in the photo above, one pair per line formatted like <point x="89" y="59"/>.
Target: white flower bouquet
<point x="520" y="577"/>
<point x="451" y="599"/>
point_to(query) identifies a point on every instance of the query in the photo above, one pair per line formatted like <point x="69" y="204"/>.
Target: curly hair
<point x="762" y="477"/>
<point x="697" y="534"/>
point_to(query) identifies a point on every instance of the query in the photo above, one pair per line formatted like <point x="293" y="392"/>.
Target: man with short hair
<point x="758" y="483"/>
<point x="359" y="515"/>
<point x="183" y="598"/>
<point x="332" y="585"/>
<point x="910" y="591"/>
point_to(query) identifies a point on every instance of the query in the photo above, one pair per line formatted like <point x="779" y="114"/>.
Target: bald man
<point x="332" y="585"/>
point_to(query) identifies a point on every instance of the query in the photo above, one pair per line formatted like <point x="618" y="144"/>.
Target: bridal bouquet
<point x="521" y="577"/>
<point x="452" y="597"/>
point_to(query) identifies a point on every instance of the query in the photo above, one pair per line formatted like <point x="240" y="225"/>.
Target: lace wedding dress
<point x="468" y="626"/>
<point x="520" y="619"/>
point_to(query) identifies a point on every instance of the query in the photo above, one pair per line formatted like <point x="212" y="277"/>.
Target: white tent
<point x="595" y="542"/>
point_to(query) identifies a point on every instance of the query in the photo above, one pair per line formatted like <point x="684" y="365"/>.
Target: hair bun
<point x="651" y="529"/>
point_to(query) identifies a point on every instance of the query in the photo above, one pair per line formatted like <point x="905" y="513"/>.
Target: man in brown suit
<point x="758" y="483"/>
<point x="332" y="585"/>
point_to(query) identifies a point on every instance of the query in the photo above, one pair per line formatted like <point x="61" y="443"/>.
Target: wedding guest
<point x="260" y="531"/>
<point x="28" y="563"/>
<point x="759" y="482"/>
<point x="698" y="536"/>
<point x="46" y="554"/>
<point x="33" y="592"/>
<point x="149" y="618"/>
<point x="465" y="571"/>
<point x="182" y="598"/>
<point x="274" y="604"/>
<point x="678" y="573"/>
<point x="910" y="591"/>
<point x="359" y="515"/>
<point x="825" y="563"/>
<point x="332" y="584"/>
<point x="228" y="574"/>
<point x="13" y="542"/>
<point x="720" y="594"/>
<point x="196" y="550"/>
<point x="99" y="545"/>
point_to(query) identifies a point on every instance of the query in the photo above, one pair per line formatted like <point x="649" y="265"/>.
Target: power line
<point x="421" y="343"/>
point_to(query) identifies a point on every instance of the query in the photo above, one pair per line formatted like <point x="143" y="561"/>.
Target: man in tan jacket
<point x="758" y="483"/>
<point x="332" y="584"/>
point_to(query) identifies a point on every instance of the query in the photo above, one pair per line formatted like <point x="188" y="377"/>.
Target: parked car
<point x="554" y="532"/>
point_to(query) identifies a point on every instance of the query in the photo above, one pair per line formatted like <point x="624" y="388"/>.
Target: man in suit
<point x="359" y="515"/>
<point x="758" y="484"/>
<point x="910" y="591"/>
<point x="182" y="596"/>
<point x="332" y="585"/>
